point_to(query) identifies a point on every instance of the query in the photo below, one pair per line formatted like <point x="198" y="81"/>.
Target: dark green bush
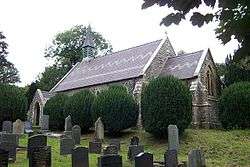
<point x="117" y="108"/>
<point x="13" y="103"/>
<point x="54" y="107"/>
<point x="165" y="101"/>
<point x="234" y="106"/>
<point x="79" y="107"/>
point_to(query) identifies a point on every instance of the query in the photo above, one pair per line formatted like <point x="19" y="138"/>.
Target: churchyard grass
<point x="221" y="148"/>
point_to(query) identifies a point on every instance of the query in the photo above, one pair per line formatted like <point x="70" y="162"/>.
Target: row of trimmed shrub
<point x="115" y="106"/>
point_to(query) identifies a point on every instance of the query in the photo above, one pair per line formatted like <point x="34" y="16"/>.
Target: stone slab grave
<point x="111" y="149"/>
<point x="66" y="146"/>
<point x="7" y="126"/>
<point x="134" y="148"/>
<point x="115" y="142"/>
<point x="171" y="158"/>
<point x="95" y="147"/>
<point x="99" y="130"/>
<point x="45" y="122"/>
<point x="18" y="127"/>
<point x="196" y="158"/>
<point x="76" y="134"/>
<point x="110" y="161"/>
<point x="173" y="138"/>
<point x="9" y="142"/>
<point x="80" y="157"/>
<point x="40" y="157"/>
<point x="144" y="160"/>
<point x="4" y="158"/>
<point x="34" y="141"/>
<point x="28" y="127"/>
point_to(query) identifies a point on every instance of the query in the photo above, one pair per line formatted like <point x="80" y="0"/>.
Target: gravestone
<point x="68" y="124"/>
<point x="36" y="141"/>
<point x="11" y="148"/>
<point x="144" y="160"/>
<point x="66" y="146"/>
<point x="173" y="138"/>
<point x="171" y="158"/>
<point x="99" y="130"/>
<point x="76" y="134"/>
<point x="40" y="157"/>
<point x="45" y="122"/>
<point x="110" y="161"/>
<point x="111" y="149"/>
<point x="18" y="127"/>
<point x="134" y="140"/>
<point x="10" y="138"/>
<point x="7" y="126"/>
<point x="28" y="127"/>
<point x="134" y="150"/>
<point x="196" y="158"/>
<point x="80" y="157"/>
<point x="115" y="142"/>
<point x="4" y="158"/>
<point x="95" y="147"/>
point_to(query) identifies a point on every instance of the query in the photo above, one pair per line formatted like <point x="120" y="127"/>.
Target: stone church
<point x="133" y="67"/>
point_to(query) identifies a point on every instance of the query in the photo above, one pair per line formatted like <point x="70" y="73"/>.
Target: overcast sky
<point x="31" y="25"/>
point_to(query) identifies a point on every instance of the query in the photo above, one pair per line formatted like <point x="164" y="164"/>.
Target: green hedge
<point x="117" y="108"/>
<point x="13" y="103"/>
<point x="166" y="100"/>
<point x="79" y="107"/>
<point x="54" y="107"/>
<point x="234" y="106"/>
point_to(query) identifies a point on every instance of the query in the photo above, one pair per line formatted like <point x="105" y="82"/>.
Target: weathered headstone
<point x="173" y="138"/>
<point x="76" y="134"/>
<point x="4" y="158"/>
<point x="171" y="158"/>
<point x="80" y="157"/>
<point x="66" y="146"/>
<point x="45" y="122"/>
<point x="196" y="159"/>
<point x="36" y="141"/>
<point x="115" y="142"/>
<point x="110" y="161"/>
<point x="134" y="150"/>
<point x="95" y="147"/>
<point x="11" y="148"/>
<point x="40" y="157"/>
<point x="99" y="130"/>
<point x="28" y="127"/>
<point x="10" y="138"/>
<point x="111" y="149"/>
<point x="7" y="126"/>
<point x="68" y="123"/>
<point x="134" y="140"/>
<point x="144" y="160"/>
<point x="18" y="127"/>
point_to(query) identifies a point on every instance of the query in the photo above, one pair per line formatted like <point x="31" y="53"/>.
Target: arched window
<point x="210" y="82"/>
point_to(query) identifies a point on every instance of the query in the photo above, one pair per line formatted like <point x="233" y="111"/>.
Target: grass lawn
<point x="221" y="148"/>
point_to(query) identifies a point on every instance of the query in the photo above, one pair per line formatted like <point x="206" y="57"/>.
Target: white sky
<point x="31" y="25"/>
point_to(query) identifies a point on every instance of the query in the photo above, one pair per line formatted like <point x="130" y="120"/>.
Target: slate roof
<point x="113" y="67"/>
<point x="183" y="66"/>
<point x="47" y="95"/>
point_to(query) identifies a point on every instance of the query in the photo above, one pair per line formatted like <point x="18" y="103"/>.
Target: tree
<point x="8" y="72"/>
<point x="233" y="17"/>
<point x="51" y="76"/>
<point x="31" y="91"/>
<point x="165" y="101"/>
<point x="66" y="48"/>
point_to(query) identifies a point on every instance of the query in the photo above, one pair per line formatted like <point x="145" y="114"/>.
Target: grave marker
<point x="80" y="157"/>
<point x="173" y="138"/>
<point x="196" y="159"/>
<point x="4" y="158"/>
<point x="36" y="141"/>
<point x="7" y="126"/>
<point x="111" y="149"/>
<point x="171" y="158"/>
<point x="144" y="160"/>
<point x="40" y="157"/>
<point x="110" y="161"/>
<point x="76" y="134"/>
<point x="99" y="130"/>
<point x="18" y="127"/>
<point x="66" y="146"/>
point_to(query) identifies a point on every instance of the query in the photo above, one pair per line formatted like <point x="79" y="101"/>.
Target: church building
<point x="133" y="67"/>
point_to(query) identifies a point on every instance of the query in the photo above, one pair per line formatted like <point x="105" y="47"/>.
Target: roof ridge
<point x="127" y="49"/>
<point x="187" y="54"/>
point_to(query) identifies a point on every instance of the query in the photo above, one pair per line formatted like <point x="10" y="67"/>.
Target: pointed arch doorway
<point x="37" y="113"/>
